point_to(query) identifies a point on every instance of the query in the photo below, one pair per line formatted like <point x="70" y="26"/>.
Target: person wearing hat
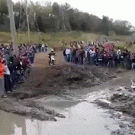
<point x="2" y="90"/>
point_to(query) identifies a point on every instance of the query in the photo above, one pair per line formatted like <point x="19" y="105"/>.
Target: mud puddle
<point x="82" y="118"/>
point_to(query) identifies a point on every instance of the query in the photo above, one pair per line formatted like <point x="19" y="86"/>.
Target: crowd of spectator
<point x="98" y="54"/>
<point x="14" y="69"/>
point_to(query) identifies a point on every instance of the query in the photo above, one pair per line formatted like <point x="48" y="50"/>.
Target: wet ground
<point x="70" y="99"/>
<point x="81" y="117"/>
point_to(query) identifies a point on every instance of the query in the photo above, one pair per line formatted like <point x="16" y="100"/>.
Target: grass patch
<point x="5" y="37"/>
<point x="56" y="39"/>
<point x="52" y="39"/>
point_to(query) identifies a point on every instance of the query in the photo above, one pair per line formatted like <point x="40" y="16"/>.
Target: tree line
<point x="53" y="17"/>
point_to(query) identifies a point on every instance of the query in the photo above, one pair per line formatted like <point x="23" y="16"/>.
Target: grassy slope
<point x="55" y="39"/>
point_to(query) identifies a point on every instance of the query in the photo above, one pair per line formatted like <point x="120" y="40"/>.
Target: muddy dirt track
<point x="49" y="88"/>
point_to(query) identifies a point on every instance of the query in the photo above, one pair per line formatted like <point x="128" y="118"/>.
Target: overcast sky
<point x="115" y="9"/>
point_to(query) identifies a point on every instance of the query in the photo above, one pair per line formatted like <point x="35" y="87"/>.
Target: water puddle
<point x="83" y="118"/>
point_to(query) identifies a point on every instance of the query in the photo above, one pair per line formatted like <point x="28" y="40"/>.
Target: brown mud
<point x="67" y="84"/>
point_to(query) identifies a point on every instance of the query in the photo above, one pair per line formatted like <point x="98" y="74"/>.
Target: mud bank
<point x="121" y="99"/>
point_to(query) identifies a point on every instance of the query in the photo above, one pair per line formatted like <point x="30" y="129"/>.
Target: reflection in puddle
<point x="11" y="124"/>
<point x="82" y="118"/>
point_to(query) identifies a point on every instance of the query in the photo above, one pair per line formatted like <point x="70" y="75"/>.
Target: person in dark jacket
<point x="81" y="55"/>
<point x="31" y="56"/>
<point x="133" y="61"/>
<point x="25" y="64"/>
<point x="7" y="77"/>
<point x="128" y="62"/>
<point x="64" y="54"/>
<point x="39" y="47"/>
<point x="73" y="54"/>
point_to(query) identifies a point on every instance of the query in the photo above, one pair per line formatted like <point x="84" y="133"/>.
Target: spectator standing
<point x="133" y="61"/>
<point x="31" y="56"/>
<point x="68" y="52"/>
<point x="43" y="48"/>
<point x="46" y="47"/>
<point x="25" y="64"/>
<point x="2" y="90"/>
<point x="64" y="54"/>
<point x="82" y="55"/>
<point x="7" y="78"/>
<point x="39" y="47"/>
<point x="118" y="55"/>
<point x="73" y="54"/>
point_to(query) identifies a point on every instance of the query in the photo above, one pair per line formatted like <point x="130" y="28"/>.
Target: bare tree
<point x="12" y="27"/>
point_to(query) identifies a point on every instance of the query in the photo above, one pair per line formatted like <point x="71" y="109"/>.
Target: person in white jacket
<point x="68" y="54"/>
<point x="43" y="48"/>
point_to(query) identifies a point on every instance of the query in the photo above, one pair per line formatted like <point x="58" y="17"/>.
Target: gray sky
<point x="116" y="9"/>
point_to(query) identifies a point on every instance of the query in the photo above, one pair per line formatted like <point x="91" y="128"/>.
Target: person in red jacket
<point x="2" y="90"/>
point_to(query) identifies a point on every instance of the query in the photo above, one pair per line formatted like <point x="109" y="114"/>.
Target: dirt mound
<point x="122" y="100"/>
<point x="56" y="79"/>
<point x="125" y="102"/>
